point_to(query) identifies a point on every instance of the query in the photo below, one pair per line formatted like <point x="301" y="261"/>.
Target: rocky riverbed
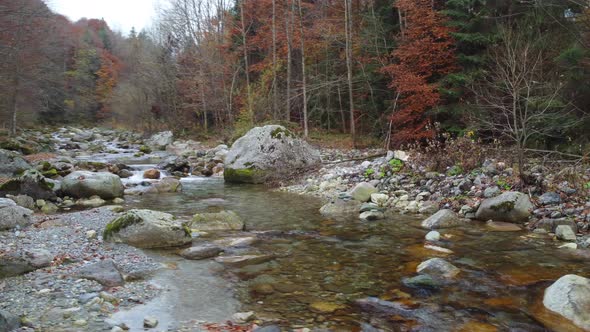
<point x="108" y="230"/>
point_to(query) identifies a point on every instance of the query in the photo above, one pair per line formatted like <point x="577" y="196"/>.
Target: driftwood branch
<point x="355" y="159"/>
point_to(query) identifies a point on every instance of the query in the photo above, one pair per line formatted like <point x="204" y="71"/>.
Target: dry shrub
<point x="444" y="152"/>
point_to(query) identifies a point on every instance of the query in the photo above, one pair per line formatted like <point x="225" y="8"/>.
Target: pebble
<point x="150" y="322"/>
<point x="433" y="236"/>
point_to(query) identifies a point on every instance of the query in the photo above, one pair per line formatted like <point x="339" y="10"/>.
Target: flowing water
<point x="322" y="268"/>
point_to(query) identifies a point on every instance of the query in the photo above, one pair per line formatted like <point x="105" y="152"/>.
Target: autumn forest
<point x="391" y="72"/>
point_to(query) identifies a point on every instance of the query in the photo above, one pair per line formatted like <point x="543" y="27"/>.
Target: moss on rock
<point x="120" y="223"/>
<point x="244" y="175"/>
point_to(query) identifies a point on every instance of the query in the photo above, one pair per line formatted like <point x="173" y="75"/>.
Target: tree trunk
<point x="246" y="67"/>
<point x="289" y="57"/>
<point x="274" y="61"/>
<point x="304" y="83"/>
<point x="348" y="28"/>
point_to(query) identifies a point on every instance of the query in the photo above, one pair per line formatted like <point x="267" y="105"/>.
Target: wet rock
<point x="362" y="192"/>
<point x="104" y="272"/>
<point x="369" y="207"/>
<point x="421" y="281"/>
<point x="92" y="202"/>
<point x="268" y="328"/>
<point x="239" y="261"/>
<point x="372" y="216"/>
<point x="151" y="174"/>
<point x="13" y="216"/>
<point x="201" y="252"/>
<point x="442" y="219"/>
<point x="150" y="322"/>
<point x="12" y="163"/>
<point x="569" y="296"/>
<point x="550" y="225"/>
<point x="31" y="183"/>
<point x="325" y="307"/>
<point x="550" y="198"/>
<point x="167" y="185"/>
<point x="438" y="267"/>
<point x="340" y="209"/>
<point x="83" y="184"/>
<point x="147" y="229"/>
<point x="220" y="221"/>
<point x="565" y="233"/>
<point x="509" y="207"/>
<point x="160" y="140"/>
<point x="268" y="153"/>
<point x="17" y="263"/>
<point x="379" y="199"/>
<point x="568" y="246"/>
<point x="6" y="202"/>
<point x="433" y="236"/>
<point x="8" y="321"/>
<point x="499" y="226"/>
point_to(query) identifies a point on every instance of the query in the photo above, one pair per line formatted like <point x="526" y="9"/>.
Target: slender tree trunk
<point x="288" y="17"/>
<point x="274" y="60"/>
<point x="246" y="67"/>
<point x="304" y="82"/>
<point x="348" y="28"/>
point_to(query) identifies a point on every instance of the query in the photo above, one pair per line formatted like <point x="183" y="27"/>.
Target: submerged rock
<point x="239" y="261"/>
<point x="266" y="154"/>
<point x="147" y="229"/>
<point x="569" y="296"/>
<point x="438" y="267"/>
<point x="220" y="221"/>
<point x="340" y="209"/>
<point x="442" y="219"/>
<point x="511" y="206"/>
<point x="201" y="252"/>
<point x="83" y="184"/>
<point x="153" y="174"/>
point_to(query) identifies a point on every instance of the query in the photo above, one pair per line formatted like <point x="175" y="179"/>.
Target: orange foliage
<point x="424" y="55"/>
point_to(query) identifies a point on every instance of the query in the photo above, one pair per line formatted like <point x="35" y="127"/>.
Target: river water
<point x="322" y="268"/>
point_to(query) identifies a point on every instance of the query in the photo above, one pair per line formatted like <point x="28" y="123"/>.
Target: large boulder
<point x="32" y="183"/>
<point x="160" y="140"/>
<point x="17" y="263"/>
<point x="11" y="163"/>
<point x="220" y="221"/>
<point x="147" y="229"/>
<point x="569" y="296"/>
<point x="511" y="206"/>
<point x="268" y="153"/>
<point x="84" y="184"/>
<point x="442" y="219"/>
<point x="12" y="216"/>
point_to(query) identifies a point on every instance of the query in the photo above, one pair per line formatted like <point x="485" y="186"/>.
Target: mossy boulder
<point x="147" y="229"/>
<point x="267" y="154"/>
<point x="220" y="221"/>
<point x="511" y="206"/>
<point x="32" y="183"/>
<point x="84" y="184"/>
<point x="12" y="163"/>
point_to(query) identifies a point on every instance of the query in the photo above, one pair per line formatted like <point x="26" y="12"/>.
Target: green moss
<point x="187" y="230"/>
<point x="504" y="206"/>
<point x="280" y="133"/>
<point x="118" y="224"/>
<point x="50" y="173"/>
<point x="244" y="175"/>
<point x="145" y="149"/>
